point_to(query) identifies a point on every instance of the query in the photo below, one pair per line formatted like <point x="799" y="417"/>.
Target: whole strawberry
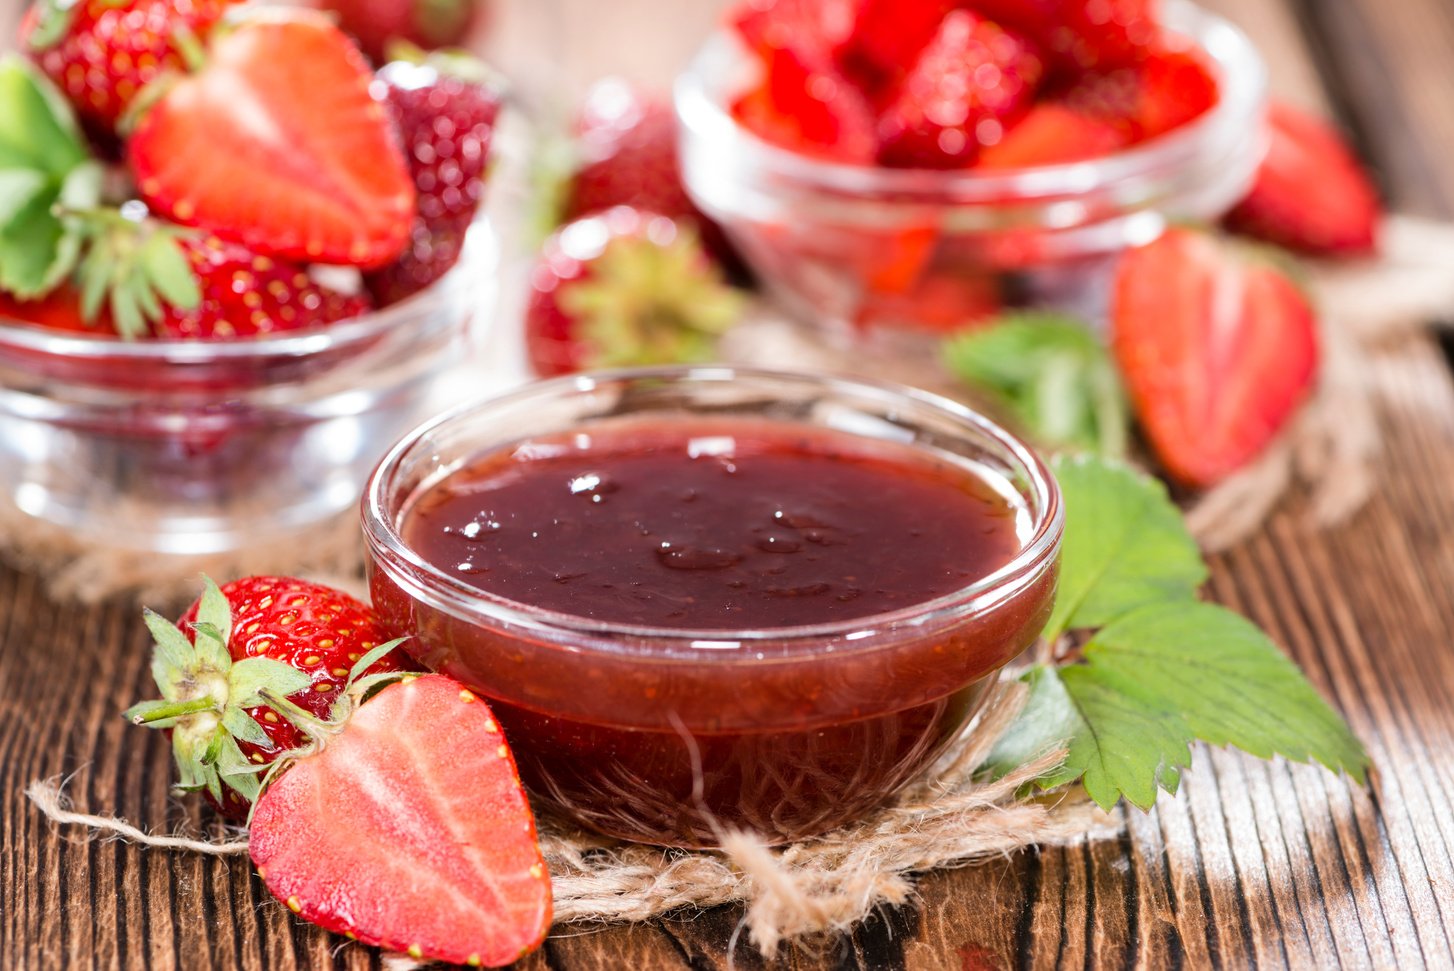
<point x="444" y="107"/>
<point x="624" y="287"/>
<point x="252" y="671"/>
<point x="430" y="24"/>
<point x="166" y="282"/>
<point x="102" y="52"/>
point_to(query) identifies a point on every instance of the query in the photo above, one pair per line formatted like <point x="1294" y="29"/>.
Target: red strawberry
<point x="430" y="24"/>
<point x="276" y="144"/>
<point x="887" y="37"/>
<point x="410" y="831"/>
<point x="972" y="81"/>
<point x="170" y="283"/>
<point x="1080" y="35"/>
<point x="822" y="26"/>
<point x="1051" y="133"/>
<point x="624" y="287"/>
<point x="1217" y="351"/>
<point x="252" y="671"/>
<point x="805" y="105"/>
<point x="1166" y="90"/>
<point x="1311" y="194"/>
<point x="939" y="302"/>
<point x="444" y="108"/>
<point x="102" y="52"/>
<point x="628" y="144"/>
<point x="58" y="310"/>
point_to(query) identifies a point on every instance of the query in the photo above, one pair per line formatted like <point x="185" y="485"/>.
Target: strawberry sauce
<point x="721" y="535"/>
<point x="715" y="525"/>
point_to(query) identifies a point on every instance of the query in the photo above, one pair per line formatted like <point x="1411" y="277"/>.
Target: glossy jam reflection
<point x="715" y="525"/>
<point x="674" y="523"/>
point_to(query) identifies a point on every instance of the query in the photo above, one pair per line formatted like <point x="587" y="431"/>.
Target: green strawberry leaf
<point x="243" y="726"/>
<point x="214" y="612"/>
<point x="1155" y="681"/>
<point x="38" y="131"/>
<point x="1125" y="546"/>
<point x="1052" y="374"/>
<point x="250" y="676"/>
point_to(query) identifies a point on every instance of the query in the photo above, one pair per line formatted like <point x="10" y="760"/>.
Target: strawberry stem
<point x="148" y="712"/>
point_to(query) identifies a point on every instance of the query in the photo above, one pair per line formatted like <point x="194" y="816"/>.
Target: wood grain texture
<point x="1253" y="864"/>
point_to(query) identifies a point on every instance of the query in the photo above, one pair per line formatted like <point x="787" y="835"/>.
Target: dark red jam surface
<point x="711" y="524"/>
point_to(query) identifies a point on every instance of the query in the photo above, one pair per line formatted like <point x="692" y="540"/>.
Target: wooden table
<point x="1253" y="864"/>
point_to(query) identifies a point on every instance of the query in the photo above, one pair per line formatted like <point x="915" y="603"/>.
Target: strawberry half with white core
<point x="625" y="287"/>
<point x="409" y="830"/>
<point x="253" y="671"/>
<point x="276" y="143"/>
<point x="1217" y="347"/>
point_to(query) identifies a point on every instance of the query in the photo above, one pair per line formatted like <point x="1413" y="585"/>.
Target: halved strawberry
<point x="277" y="144"/>
<point x="1217" y="351"/>
<point x="804" y="104"/>
<point x="971" y="81"/>
<point x="1169" y="88"/>
<point x="409" y="830"/>
<point x="1080" y="35"/>
<point x="1311" y="193"/>
<point x="887" y="36"/>
<point x="940" y="302"/>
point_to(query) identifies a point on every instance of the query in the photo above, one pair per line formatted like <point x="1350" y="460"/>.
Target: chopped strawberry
<point x="939" y="302"/>
<point x="444" y="107"/>
<point x="1311" y="194"/>
<point x="624" y="287"/>
<point x="102" y="52"/>
<point x="1051" y="133"/>
<point x="804" y="104"/>
<point x="822" y="26"/>
<point x="250" y="673"/>
<point x="277" y="144"/>
<point x="409" y="830"/>
<point x="887" y="37"/>
<point x="58" y="310"/>
<point x="1169" y="88"/>
<point x="1217" y="351"/>
<point x="1081" y="35"/>
<point x="967" y="86"/>
<point x="378" y="25"/>
<point x="628" y="146"/>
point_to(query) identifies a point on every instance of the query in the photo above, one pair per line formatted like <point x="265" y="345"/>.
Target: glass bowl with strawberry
<point x="227" y="280"/>
<point x="890" y="169"/>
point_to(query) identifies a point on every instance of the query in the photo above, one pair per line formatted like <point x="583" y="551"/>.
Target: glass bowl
<point x="664" y="735"/>
<point x="201" y="447"/>
<point x="869" y="253"/>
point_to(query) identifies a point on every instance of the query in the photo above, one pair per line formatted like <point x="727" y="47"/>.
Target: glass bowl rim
<point x="1242" y="84"/>
<point x="480" y="253"/>
<point x="387" y="548"/>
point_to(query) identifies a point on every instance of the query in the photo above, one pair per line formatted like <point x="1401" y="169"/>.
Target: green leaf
<point x="214" y="611"/>
<point x="173" y="657"/>
<point x="1159" y="679"/>
<point x="372" y="657"/>
<point x="38" y="131"/>
<point x="251" y="675"/>
<point x="1052" y="374"/>
<point x="242" y="726"/>
<point x="168" y="272"/>
<point x="236" y="771"/>
<point x="1125" y="546"/>
<point x="20" y="190"/>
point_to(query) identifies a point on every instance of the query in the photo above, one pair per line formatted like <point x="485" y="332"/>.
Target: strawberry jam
<point x="714" y="525"/>
<point x="685" y="622"/>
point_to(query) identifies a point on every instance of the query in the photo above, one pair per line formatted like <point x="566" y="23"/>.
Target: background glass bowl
<point x="861" y="250"/>
<point x="199" y="447"/>
<point x="660" y="734"/>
